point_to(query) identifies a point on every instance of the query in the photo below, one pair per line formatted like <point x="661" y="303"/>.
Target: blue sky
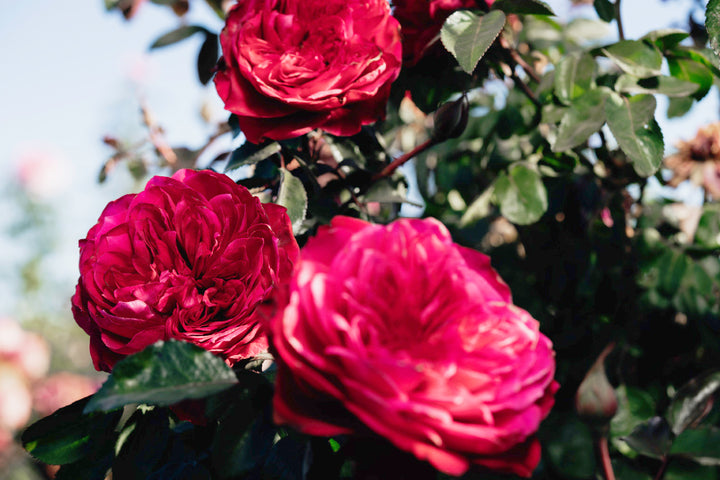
<point x="73" y="74"/>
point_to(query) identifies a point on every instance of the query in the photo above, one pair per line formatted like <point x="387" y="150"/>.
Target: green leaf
<point x="692" y="402"/>
<point x="574" y="76"/>
<point x="652" y="438"/>
<point x="635" y="57"/>
<point x="250" y="153"/>
<point x="207" y="58"/>
<point x="712" y="23"/>
<point x="605" y="10"/>
<point x="68" y="435"/>
<point x="163" y="374"/>
<point x="634" y="407"/>
<point x="468" y="36"/>
<point x="292" y="195"/>
<point x="679" y="106"/>
<point x="531" y="7"/>
<point x="478" y="209"/>
<point x="666" y="38"/>
<point x="708" y="230"/>
<point x="177" y="35"/>
<point x="585" y="116"/>
<point x="701" y="445"/>
<point x="636" y="131"/>
<point x="670" y="86"/>
<point x="569" y="446"/>
<point x="691" y="71"/>
<point x="144" y="445"/>
<point x="521" y="195"/>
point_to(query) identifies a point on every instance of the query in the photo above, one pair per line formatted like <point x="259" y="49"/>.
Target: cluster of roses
<point x="390" y="330"/>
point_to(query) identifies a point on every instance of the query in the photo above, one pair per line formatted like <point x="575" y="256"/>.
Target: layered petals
<point x="192" y="257"/>
<point x="292" y="66"/>
<point x="398" y="330"/>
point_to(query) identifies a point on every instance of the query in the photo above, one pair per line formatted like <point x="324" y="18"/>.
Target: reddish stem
<point x="603" y="454"/>
<point x="387" y="171"/>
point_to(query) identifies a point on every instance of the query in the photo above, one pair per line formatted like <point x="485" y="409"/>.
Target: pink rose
<point x="399" y="330"/>
<point x="191" y="257"/>
<point x="421" y="21"/>
<point x="292" y="66"/>
<point x="61" y="389"/>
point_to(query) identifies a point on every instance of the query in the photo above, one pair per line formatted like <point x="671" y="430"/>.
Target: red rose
<point x="292" y="66"/>
<point x="191" y="257"/>
<point x="421" y="21"/>
<point x="401" y="330"/>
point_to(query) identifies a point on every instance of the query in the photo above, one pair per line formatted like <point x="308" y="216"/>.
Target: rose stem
<point x="603" y="454"/>
<point x="387" y="171"/>
<point x="663" y="467"/>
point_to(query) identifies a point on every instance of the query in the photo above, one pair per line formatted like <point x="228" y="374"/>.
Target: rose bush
<point x="191" y="257"/>
<point x="292" y="66"/>
<point x="421" y="21"/>
<point x="400" y="330"/>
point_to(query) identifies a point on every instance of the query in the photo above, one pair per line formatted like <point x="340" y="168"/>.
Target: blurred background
<point x="84" y="106"/>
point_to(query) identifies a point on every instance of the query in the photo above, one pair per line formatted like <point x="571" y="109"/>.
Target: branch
<point x="603" y="454"/>
<point x="387" y="171"/>
<point x="618" y="18"/>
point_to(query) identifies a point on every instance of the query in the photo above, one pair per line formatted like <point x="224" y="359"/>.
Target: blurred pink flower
<point x="26" y="351"/>
<point x="15" y="400"/>
<point x="60" y="390"/>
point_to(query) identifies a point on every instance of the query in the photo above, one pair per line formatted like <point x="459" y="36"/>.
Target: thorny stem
<point x="621" y="33"/>
<point x="387" y="171"/>
<point x="603" y="454"/>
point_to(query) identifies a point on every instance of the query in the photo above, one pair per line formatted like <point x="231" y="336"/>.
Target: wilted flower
<point x="698" y="160"/>
<point x="192" y="257"/>
<point x="397" y="330"/>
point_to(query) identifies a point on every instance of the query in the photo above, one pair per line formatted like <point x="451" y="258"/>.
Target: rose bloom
<point x="421" y="21"/>
<point x="191" y="257"/>
<point x="292" y="66"/>
<point x="399" y="330"/>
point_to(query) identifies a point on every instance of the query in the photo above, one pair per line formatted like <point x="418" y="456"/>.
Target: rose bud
<point x="292" y="66"/>
<point x="596" y="401"/>
<point x="395" y="331"/>
<point x="450" y="120"/>
<point x="193" y="257"/>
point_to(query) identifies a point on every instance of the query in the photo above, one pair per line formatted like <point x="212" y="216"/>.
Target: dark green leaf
<point x="250" y="153"/>
<point x="292" y="195"/>
<point x="478" y="209"/>
<point x="242" y="443"/>
<point x="93" y="467"/>
<point x="712" y="23"/>
<point x="605" y="10"/>
<point x="666" y="38"/>
<point x="691" y="71"/>
<point x="574" y="76"/>
<point x="585" y="116"/>
<point x="163" y="374"/>
<point x="388" y="190"/>
<point x="144" y="445"/>
<point x="68" y="435"/>
<point x="638" y="134"/>
<point x="634" y="407"/>
<point x="708" y="230"/>
<point x="521" y="195"/>
<point x="677" y="107"/>
<point x="468" y="36"/>
<point x="652" y="438"/>
<point x="177" y="35"/>
<point x="635" y="57"/>
<point x="692" y="402"/>
<point x="207" y="58"/>
<point x="531" y="7"/>
<point x="287" y="459"/>
<point x="670" y="86"/>
<point x="700" y="444"/>
<point x="569" y="447"/>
